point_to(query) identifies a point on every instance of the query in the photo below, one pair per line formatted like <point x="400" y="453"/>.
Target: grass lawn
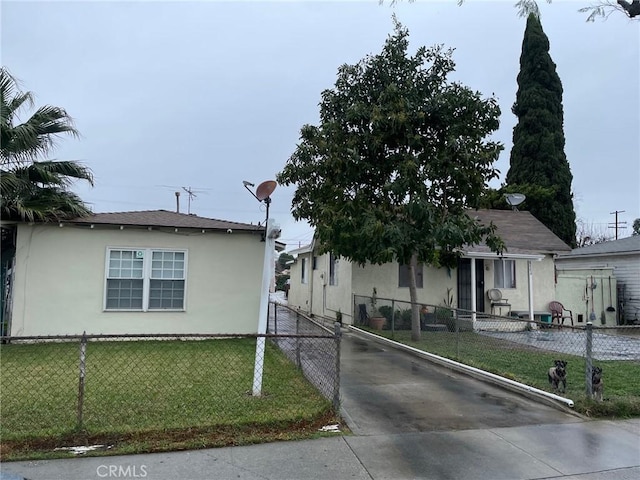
<point x="150" y="396"/>
<point x="529" y="365"/>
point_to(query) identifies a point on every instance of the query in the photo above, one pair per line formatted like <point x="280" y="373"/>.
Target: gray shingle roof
<point x="612" y="247"/>
<point x="162" y="218"/>
<point x="520" y="231"/>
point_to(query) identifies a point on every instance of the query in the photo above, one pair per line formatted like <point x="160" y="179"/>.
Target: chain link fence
<point x="291" y="331"/>
<point x="105" y="384"/>
<point x="516" y="348"/>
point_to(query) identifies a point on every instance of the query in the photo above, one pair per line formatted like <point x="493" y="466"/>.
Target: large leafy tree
<point x="399" y="155"/>
<point x="33" y="187"/>
<point x="537" y="155"/>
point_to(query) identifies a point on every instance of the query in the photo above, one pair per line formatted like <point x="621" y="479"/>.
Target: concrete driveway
<point x="384" y="391"/>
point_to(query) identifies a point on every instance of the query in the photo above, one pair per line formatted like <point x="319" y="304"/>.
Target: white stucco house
<point x="613" y="269"/>
<point x="324" y="284"/>
<point x="141" y="272"/>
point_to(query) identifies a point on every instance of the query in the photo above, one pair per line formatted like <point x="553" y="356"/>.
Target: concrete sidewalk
<point x="591" y="450"/>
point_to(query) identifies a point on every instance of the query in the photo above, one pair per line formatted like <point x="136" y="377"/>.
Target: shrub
<point x="387" y="312"/>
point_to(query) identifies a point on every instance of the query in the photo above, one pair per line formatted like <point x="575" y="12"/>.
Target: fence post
<point x="589" y="360"/>
<point x="275" y="318"/>
<point x="298" y="363"/>
<point x="457" y="316"/>
<point x="336" y="380"/>
<point x="393" y="317"/>
<point x="83" y="364"/>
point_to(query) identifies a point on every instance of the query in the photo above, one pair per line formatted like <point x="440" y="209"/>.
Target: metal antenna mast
<point x="191" y="195"/>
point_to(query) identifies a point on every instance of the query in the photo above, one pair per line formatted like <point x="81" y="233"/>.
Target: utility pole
<point x="618" y="225"/>
<point x="177" y="202"/>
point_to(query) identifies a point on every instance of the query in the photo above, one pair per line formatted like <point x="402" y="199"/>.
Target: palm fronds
<point x="30" y="189"/>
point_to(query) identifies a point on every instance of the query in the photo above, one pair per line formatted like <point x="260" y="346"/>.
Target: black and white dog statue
<point x="558" y="376"/>
<point x="596" y="383"/>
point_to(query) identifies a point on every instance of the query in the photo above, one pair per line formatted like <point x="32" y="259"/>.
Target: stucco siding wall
<point x="60" y="282"/>
<point x="328" y="299"/>
<point x="543" y="285"/>
<point x="437" y="281"/>
<point x="300" y="293"/>
<point x="385" y="278"/>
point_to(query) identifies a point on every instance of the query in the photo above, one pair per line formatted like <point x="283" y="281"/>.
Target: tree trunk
<point x="413" y="295"/>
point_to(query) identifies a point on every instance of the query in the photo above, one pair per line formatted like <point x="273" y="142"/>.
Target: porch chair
<point x="362" y="313"/>
<point x="495" y="296"/>
<point x="559" y="313"/>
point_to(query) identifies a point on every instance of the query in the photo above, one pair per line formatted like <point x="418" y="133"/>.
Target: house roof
<point x="161" y="218"/>
<point x="628" y="245"/>
<point x="521" y="232"/>
<point x="303" y="249"/>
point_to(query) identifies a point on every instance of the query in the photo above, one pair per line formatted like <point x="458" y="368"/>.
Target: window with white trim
<point x="303" y="268"/>
<point x="333" y="269"/>
<point x="145" y="279"/>
<point x="504" y="273"/>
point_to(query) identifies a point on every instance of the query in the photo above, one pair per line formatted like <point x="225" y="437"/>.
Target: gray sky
<point x="207" y="94"/>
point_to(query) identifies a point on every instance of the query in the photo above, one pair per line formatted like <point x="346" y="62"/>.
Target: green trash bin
<point x="546" y="320"/>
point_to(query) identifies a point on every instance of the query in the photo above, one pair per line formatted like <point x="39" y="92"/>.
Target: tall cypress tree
<point x="537" y="156"/>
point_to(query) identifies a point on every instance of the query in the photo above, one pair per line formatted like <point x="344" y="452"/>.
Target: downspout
<point x="473" y="293"/>
<point x="530" y="270"/>
<point x="311" y="283"/>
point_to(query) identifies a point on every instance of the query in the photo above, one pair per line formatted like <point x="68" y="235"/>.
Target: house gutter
<point x="472" y="371"/>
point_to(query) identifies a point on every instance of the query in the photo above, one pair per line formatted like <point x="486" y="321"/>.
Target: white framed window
<point x="333" y="269"/>
<point x="504" y="273"/>
<point x="303" y="268"/>
<point x="145" y="279"/>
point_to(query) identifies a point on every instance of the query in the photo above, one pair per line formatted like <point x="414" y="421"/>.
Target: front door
<point x="464" y="284"/>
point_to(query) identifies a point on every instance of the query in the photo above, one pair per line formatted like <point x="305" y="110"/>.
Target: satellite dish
<point x="265" y="189"/>
<point x="514" y="199"/>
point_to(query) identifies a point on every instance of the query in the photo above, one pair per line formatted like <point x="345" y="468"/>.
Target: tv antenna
<point x="192" y="196"/>
<point x="514" y="199"/>
<point x="191" y="191"/>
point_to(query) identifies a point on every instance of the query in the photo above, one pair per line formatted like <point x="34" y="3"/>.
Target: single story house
<point x="608" y="274"/>
<point x="524" y="274"/>
<point x="141" y="272"/>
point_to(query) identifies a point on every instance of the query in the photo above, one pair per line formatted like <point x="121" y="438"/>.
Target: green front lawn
<point x="149" y="389"/>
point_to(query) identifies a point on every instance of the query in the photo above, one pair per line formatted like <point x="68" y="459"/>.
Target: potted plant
<point x="445" y="314"/>
<point x="376" y="319"/>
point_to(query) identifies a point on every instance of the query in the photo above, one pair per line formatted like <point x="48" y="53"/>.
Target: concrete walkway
<point x="411" y="420"/>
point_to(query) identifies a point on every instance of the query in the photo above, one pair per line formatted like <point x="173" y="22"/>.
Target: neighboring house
<point x="619" y="259"/>
<point x="323" y="284"/>
<point x="136" y="273"/>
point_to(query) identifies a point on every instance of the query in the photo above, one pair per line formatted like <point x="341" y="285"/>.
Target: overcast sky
<point x="204" y="95"/>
